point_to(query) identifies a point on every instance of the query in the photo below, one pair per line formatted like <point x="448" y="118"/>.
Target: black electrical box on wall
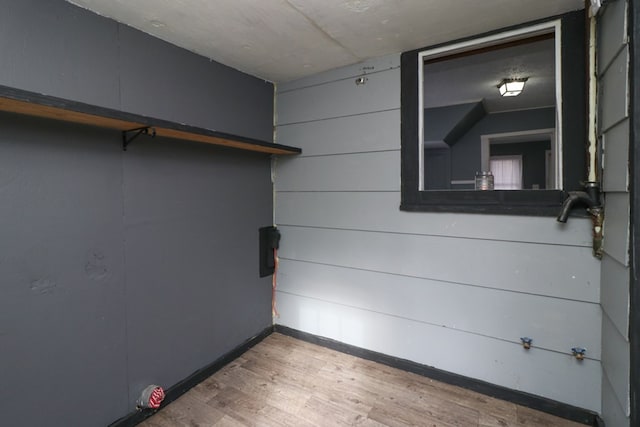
<point x="269" y="240"/>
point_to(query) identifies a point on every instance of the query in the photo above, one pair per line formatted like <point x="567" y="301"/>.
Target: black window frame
<point x="514" y="202"/>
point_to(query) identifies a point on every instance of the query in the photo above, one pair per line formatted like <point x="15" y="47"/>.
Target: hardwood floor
<point x="287" y="382"/>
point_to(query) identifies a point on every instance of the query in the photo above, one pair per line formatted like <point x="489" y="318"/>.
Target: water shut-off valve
<point x="526" y="342"/>
<point x="578" y="352"/>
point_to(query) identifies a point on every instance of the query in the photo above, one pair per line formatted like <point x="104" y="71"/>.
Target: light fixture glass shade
<point x="511" y="87"/>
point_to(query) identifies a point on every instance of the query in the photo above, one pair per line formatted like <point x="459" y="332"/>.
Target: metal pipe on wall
<point x="592" y="81"/>
<point x="591" y="196"/>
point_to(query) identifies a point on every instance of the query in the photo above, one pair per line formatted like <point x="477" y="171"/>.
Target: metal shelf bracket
<point x="129" y="135"/>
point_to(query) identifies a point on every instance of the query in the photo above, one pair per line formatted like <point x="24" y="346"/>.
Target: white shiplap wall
<point x="454" y="291"/>
<point x="613" y="97"/>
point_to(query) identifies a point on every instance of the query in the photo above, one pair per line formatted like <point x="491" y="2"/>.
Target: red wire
<point x="274" y="310"/>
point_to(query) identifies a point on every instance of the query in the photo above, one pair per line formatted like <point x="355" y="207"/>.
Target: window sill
<point x="498" y="202"/>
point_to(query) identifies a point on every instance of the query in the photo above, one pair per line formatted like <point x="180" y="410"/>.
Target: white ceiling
<point x="283" y="40"/>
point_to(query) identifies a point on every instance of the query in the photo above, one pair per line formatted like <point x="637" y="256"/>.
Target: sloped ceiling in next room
<point x="283" y="40"/>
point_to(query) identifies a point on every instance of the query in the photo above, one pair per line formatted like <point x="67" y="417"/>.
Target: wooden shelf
<point x="34" y="104"/>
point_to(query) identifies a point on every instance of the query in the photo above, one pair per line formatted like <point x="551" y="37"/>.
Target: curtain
<point x="507" y="172"/>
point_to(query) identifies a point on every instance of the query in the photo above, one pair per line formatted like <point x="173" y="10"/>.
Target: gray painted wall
<point x="120" y="269"/>
<point x="58" y="49"/>
<point x="450" y="122"/>
<point x="454" y="291"/>
<point x="62" y="294"/>
<point x="613" y="57"/>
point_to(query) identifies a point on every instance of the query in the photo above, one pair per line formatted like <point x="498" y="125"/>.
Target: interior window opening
<point x="499" y="85"/>
<point x="519" y="91"/>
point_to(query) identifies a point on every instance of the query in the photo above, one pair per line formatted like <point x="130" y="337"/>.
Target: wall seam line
<point x="424" y="322"/>
<point x="124" y="236"/>
<point x="606" y="315"/>
<point x="607" y="66"/>
<point x="322" y="119"/>
<point x="339" y="191"/>
<point x="614" y="124"/>
<point x="351" y="76"/>
<point x="311" y="156"/>
<point x="472" y="285"/>
<point x="608" y="380"/>
<point x="435" y="235"/>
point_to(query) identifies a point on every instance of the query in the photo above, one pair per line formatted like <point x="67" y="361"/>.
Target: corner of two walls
<point x="121" y="269"/>
<point x="613" y="129"/>
<point x="453" y="291"/>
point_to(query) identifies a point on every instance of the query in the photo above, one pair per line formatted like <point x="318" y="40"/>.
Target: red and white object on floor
<point x="151" y="397"/>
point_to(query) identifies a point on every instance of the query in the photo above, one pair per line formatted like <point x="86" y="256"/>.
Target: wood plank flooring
<point x="287" y="382"/>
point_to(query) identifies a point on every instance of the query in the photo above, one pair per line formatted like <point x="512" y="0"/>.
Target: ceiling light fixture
<point x="511" y="87"/>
